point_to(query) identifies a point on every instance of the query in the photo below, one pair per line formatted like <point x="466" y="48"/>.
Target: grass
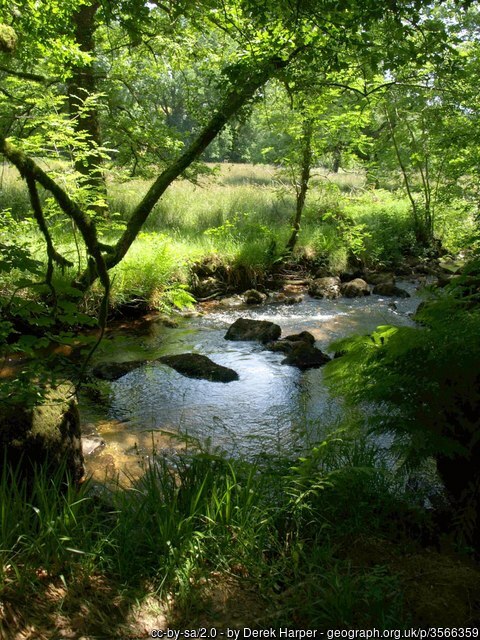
<point x="320" y="542"/>
<point x="240" y="214"/>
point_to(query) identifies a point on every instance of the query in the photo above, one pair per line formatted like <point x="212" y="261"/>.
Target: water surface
<point x="271" y="408"/>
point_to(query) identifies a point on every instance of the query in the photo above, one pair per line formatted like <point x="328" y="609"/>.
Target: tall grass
<point x="242" y="215"/>
<point x="287" y="527"/>
<point x="47" y="524"/>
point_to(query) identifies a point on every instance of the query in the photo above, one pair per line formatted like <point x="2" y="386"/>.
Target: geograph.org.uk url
<point x="331" y="634"/>
<point x="413" y="632"/>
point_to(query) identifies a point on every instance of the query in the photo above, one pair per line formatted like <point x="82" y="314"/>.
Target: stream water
<point x="271" y="408"/>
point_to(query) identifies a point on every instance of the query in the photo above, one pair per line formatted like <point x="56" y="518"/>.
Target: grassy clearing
<point x="329" y="541"/>
<point x="241" y="215"/>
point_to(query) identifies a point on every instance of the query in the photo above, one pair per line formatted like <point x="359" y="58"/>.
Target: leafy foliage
<point x="425" y="389"/>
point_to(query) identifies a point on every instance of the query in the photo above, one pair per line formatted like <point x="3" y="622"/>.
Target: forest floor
<point x="441" y="590"/>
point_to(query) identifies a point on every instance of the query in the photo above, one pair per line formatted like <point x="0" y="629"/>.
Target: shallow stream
<point x="271" y="408"/>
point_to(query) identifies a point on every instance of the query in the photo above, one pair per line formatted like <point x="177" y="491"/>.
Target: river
<point x="272" y="408"/>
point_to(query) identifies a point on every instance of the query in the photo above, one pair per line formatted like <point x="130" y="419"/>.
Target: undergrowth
<point x="288" y="528"/>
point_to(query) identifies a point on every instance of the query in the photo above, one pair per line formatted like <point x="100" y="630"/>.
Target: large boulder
<point x="355" y="288"/>
<point x="47" y="434"/>
<point x="305" y="356"/>
<point x="253" y="330"/>
<point x="325" y="288"/>
<point x="390" y="289"/>
<point x="194" y="365"/>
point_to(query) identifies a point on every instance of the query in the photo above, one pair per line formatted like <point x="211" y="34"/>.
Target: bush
<point x="387" y="219"/>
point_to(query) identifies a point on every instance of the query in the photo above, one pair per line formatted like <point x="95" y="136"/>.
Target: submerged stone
<point x="114" y="370"/>
<point x="194" y="365"/>
<point x="92" y="444"/>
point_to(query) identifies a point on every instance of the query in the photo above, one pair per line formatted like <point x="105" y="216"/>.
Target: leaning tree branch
<point x="53" y="255"/>
<point x="237" y="97"/>
<point x="30" y="171"/>
<point x="32" y="174"/>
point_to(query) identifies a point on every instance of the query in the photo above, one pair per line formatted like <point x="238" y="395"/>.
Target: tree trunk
<point x="302" y="187"/>
<point x="337" y="157"/>
<point x="82" y="85"/>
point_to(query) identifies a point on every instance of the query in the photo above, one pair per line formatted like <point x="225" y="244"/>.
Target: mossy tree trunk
<point x="81" y="100"/>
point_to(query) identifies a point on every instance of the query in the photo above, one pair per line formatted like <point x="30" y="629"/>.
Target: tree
<point x="422" y="122"/>
<point x="264" y="41"/>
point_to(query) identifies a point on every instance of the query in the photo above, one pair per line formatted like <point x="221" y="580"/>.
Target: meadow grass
<point x="241" y="214"/>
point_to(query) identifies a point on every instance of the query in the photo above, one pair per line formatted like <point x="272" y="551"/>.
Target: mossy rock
<point x="8" y="39"/>
<point x="47" y="434"/>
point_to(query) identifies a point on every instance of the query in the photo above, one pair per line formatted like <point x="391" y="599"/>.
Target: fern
<point x="422" y="385"/>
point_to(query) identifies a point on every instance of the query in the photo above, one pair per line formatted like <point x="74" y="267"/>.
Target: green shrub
<point x="390" y="230"/>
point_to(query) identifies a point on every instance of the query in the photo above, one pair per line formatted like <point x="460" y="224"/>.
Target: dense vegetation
<point x="145" y="142"/>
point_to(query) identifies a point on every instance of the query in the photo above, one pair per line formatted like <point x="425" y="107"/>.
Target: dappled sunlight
<point x="80" y="607"/>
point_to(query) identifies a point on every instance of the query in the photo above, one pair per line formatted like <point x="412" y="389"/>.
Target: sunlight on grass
<point x="241" y="214"/>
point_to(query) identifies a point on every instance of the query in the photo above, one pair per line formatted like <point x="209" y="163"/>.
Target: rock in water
<point x="194" y="365"/>
<point x="303" y="336"/>
<point x="252" y="296"/>
<point x="355" y="288"/>
<point x="328" y="287"/>
<point x="306" y="356"/>
<point x="47" y="434"/>
<point x="390" y="289"/>
<point x="253" y="330"/>
<point x="92" y="444"/>
<point x="287" y="344"/>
